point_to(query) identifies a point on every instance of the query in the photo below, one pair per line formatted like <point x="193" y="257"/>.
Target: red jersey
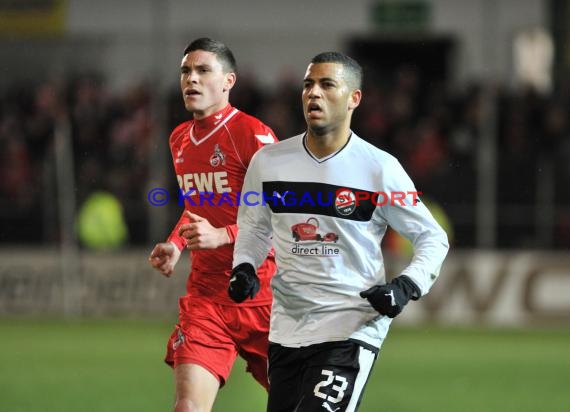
<point x="210" y="158"/>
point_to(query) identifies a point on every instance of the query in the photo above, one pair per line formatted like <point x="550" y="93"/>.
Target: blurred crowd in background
<point x="432" y="129"/>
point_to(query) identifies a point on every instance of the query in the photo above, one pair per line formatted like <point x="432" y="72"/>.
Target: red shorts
<point x="212" y="335"/>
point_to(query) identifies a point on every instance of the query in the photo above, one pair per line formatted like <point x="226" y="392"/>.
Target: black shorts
<point x="326" y="377"/>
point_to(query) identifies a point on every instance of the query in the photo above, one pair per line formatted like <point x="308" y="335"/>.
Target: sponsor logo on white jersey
<point x="280" y="196"/>
<point x="308" y="232"/>
<point x="345" y="202"/>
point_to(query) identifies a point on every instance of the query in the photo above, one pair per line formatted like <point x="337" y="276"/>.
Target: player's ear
<point x="354" y="99"/>
<point x="229" y="81"/>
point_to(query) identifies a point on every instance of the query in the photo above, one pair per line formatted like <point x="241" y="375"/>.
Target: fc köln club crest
<point x="218" y="158"/>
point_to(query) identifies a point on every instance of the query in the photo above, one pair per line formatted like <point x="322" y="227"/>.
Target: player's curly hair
<point x="351" y="66"/>
<point x="222" y="52"/>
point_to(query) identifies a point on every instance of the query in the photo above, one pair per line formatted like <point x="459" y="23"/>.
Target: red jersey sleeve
<point x="232" y="232"/>
<point x="174" y="237"/>
<point x="174" y="141"/>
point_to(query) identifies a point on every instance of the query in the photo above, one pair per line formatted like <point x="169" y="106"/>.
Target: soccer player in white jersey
<point x="324" y="199"/>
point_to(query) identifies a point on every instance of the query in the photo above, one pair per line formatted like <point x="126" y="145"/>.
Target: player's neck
<point x="325" y="144"/>
<point x="206" y="123"/>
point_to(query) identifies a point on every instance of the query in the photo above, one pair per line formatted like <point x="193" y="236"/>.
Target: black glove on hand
<point x="244" y="283"/>
<point x="390" y="299"/>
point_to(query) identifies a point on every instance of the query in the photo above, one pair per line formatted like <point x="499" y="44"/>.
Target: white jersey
<point x="326" y="219"/>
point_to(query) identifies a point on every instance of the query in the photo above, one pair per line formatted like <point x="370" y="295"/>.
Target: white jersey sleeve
<point x="253" y="242"/>
<point x="412" y="219"/>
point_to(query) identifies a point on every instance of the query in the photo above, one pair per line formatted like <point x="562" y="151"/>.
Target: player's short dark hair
<point x="350" y="65"/>
<point x="222" y="52"/>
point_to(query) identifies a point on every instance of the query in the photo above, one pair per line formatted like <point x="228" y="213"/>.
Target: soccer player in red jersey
<point x="211" y="154"/>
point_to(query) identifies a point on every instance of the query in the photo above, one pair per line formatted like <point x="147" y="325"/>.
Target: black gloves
<point x="244" y="283"/>
<point x="390" y="299"/>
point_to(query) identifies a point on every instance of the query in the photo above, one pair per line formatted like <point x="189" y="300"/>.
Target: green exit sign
<point x="401" y="15"/>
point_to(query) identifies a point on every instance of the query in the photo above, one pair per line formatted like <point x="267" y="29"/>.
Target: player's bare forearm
<point x="208" y="239"/>
<point x="200" y="234"/>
